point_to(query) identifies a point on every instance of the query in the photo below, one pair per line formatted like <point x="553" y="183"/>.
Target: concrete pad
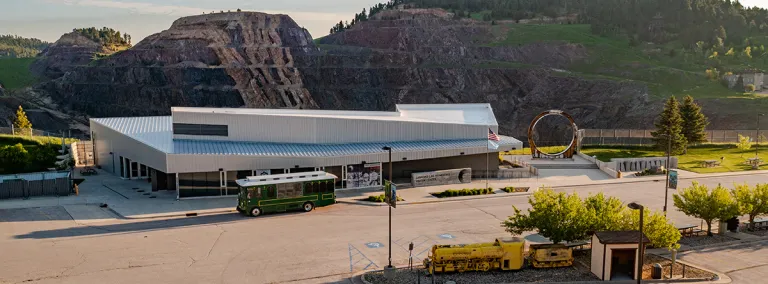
<point x="87" y="214"/>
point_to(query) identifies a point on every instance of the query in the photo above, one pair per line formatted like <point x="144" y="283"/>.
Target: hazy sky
<point x="49" y="19"/>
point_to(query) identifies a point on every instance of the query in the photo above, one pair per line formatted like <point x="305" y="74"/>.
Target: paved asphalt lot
<point x="45" y="245"/>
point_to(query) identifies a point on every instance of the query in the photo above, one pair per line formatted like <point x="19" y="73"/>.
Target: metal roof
<point x="470" y="114"/>
<point x="285" y="178"/>
<point x="156" y="132"/>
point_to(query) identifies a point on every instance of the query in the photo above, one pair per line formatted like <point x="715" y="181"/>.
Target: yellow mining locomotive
<point x="550" y="255"/>
<point x="504" y="254"/>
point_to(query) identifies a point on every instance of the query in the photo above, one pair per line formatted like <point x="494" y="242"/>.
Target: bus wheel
<point x="256" y="211"/>
<point x="308" y="206"/>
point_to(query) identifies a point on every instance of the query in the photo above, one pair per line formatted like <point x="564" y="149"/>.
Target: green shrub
<point x="463" y="192"/>
<point x="380" y="198"/>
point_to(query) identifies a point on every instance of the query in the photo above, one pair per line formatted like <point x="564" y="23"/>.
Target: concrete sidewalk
<point x="128" y="199"/>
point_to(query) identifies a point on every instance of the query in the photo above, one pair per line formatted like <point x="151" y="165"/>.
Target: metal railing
<point x="643" y="137"/>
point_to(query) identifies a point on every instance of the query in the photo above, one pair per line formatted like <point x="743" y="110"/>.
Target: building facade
<point x="202" y="151"/>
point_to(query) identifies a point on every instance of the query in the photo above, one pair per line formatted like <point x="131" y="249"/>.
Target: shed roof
<point x="620" y="237"/>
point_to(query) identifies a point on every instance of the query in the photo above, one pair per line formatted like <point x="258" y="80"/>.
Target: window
<point x="270" y="191"/>
<point x="200" y="129"/>
<point x="289" y="190"/>
<point x="329" y="186"/>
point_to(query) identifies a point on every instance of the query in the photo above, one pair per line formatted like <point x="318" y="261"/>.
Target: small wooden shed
<point x="615" y="255"/>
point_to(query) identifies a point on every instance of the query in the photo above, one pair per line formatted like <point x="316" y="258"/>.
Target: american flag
<point x="492" y="136"/>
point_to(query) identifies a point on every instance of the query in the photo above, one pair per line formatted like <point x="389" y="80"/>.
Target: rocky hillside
<point x="224" y="60"/>
<point x="247" y="59"/>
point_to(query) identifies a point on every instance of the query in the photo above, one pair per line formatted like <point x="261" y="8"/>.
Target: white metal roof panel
<point x="285" y="178"/>
<point x="471" y="114"/>
<point x="157" y="133"/>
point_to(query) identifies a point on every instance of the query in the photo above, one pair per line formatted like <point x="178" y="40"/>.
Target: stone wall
<point x="607" y="167"/>
<point x="640" y="164"/>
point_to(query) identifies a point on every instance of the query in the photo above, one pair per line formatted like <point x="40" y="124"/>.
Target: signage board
<point x="390" y="193"/>
<point x="673" y="179"/>
<point x="363" y="175"/>
<point x="442" y="177"/>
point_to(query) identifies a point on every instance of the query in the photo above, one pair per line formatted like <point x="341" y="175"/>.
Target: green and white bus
<point x="280" y="193"/>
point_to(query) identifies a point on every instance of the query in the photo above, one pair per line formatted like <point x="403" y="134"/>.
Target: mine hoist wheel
<point x="569" y="151"/>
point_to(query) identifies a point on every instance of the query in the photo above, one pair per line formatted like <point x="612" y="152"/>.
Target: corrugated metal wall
<point x="286" y="129"/>
<point x="107" y="140"/>
<point x="208" y="163"/>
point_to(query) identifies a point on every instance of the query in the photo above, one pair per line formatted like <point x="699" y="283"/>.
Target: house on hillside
<point x="753" y="78"/>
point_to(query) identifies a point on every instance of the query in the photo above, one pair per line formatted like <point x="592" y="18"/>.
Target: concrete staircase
<point x="568" y="166"/>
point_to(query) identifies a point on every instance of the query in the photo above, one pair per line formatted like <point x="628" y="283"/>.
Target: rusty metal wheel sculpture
<point x="565" y="154"/>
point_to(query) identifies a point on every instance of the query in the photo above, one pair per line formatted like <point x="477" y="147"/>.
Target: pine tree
<point x="694" y="122"/>
<point x="22" y="124"/>
<point x="670" y="124"/>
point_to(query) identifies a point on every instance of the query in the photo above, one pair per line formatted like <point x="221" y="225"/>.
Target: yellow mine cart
<point x="550" y="255"/>
<point x="503" y="254"/>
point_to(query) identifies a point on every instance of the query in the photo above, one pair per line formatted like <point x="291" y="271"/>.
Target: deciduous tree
<point x="656" y="227"/>
<point x="556" y="216"/>
<point x="752" y="201"/>
<point x="709" y="205"/>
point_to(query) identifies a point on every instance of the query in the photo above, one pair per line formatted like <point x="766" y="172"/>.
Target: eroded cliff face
<point x="427" y="56"/>
<point x="219" y="60"/>
<point x="67" y="53"/>
<point x="247" y="59"/>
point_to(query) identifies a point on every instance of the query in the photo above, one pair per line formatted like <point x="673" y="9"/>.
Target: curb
<point x="656" y="180"/>
<point x="175" y="214"/>
<point x="441" y="200"/>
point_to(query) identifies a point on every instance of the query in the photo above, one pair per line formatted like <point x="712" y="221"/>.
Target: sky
<point x="49" y="19"/>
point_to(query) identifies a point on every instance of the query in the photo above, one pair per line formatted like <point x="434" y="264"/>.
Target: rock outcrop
<point x="66" y="54"/>
<point x="221" y="60"/>
<point x="246" y="59"/>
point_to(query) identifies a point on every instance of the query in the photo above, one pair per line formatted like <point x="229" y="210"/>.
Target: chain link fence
<point x="27" y="133"/>
<point x="643" y="137"/>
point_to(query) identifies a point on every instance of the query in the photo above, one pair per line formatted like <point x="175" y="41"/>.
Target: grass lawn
<point x="735" y="159"/>
<point x="14" y="73"/>
<point x="527" y="151"/>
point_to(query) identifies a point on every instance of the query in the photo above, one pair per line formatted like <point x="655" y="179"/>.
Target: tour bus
<point x="283" y="192"/>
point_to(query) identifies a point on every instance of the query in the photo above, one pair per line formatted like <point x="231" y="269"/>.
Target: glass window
<point x="329" y="186"/>
<point x="289" y="190"/>
<point x="200" y="129"/>
<point x="270" y="191"/>
<point x="143" y="170"/>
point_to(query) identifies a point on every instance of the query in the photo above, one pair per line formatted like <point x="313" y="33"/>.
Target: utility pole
<point x="757" y="147"/>
<point x="666" y="188"/>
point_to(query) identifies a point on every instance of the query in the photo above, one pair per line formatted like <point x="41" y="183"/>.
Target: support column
<point x="177" y="186"/>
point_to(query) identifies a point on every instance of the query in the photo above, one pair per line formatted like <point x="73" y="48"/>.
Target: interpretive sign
<point x="673" y="179"/>
<point x="442" y="177"/>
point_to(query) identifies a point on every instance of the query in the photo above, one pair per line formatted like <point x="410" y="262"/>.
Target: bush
<point x="750" y="88"/>
<point x="380" y="198"/>
<point x="463" y="192"/>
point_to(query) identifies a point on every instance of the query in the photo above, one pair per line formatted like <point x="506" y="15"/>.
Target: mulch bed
<point x="584" y="260"/>
<point x="514" y="189"/>
<point x="761" y="233"/>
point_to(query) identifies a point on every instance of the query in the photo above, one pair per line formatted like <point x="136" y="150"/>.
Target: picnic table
<point x="709" y="163"/>
<point x="760" y="224"/>
<point x="688" y="230"/>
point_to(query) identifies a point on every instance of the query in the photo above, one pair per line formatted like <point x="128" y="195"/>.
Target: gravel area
<point x="565" y="274"/>
<point x="677" y="271"/>
<point x="761" y="233"/>
<point x="696" y="241"/>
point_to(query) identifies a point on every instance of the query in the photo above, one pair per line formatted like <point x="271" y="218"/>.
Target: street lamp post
<point x="757" y="147"/>
<point x="640" y="247"/>
<point x="389" y="267"/>
<point x="669" y="158"/>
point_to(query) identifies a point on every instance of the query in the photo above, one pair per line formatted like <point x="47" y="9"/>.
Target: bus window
<point x="329" y="186"/>
<point x="270" y="192"/>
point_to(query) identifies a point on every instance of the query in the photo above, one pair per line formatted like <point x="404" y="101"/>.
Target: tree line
<point x="364" y="16"/>
<point x="105" y="36"/>
<point x="19" y="47"/>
